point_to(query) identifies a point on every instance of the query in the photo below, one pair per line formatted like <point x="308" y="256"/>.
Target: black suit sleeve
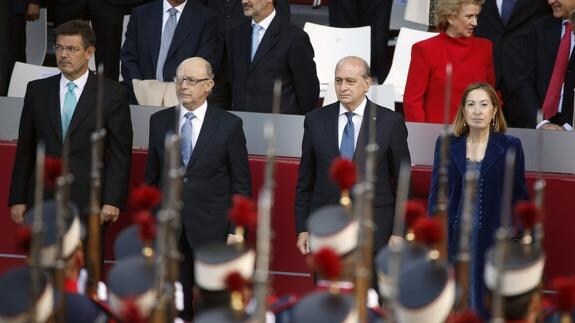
<point x="25" y="153"/>
<point x="306" y="180"/>
<point x="154" y="166"/>
<point x="528" y="77"/>
<point x="399" y="149"/>
<point x="303" y="70"/>
<point x="129" y="53"/>
<point x="119" y="137"/>
<point x="238" y="161"/>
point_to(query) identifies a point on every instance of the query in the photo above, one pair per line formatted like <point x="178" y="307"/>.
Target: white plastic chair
<point x="330" y="44"/>
<point x="402" y="57"/>
<point x="36" y="40"/>
<point x="24" y="73"/>
<point x="418" y="11"/>
<point x="379" y="94"/>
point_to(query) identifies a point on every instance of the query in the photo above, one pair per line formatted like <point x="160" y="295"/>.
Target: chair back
<point x="24" y="73"/>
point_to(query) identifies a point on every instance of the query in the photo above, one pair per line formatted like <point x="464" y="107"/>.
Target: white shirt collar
<point x="265" y="23"/>
<point x="359" y="110"/>
<point x="80" y="82"/>
<point x="199" y="112"/>
<point x="167" y="6"/>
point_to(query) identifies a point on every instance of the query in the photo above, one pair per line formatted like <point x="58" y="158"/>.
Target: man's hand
<point x="303" y="242"/>
<point x="551" y="126"/>
<point x="32" y="12"/>
<point x="17" y="212"/>
<point x="109" y="213"/>
<point x="234" y="239"/>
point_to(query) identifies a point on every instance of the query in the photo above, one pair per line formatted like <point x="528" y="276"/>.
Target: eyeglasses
<point x="190" y="81"/>
<point x="69" y="49"/>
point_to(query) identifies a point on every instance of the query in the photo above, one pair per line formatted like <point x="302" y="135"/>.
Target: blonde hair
<point x="461" y="128"/>
<point x="447" y="8"/>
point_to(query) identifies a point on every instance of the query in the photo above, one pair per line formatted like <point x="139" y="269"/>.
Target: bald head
<point x="356" y="61"/>
<point x="194" y="82"/>
<point x="352" y="81"/>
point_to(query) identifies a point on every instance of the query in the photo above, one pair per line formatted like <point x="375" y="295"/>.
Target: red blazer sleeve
<point x="489" y="59"/>
<point x="416" y="86"/>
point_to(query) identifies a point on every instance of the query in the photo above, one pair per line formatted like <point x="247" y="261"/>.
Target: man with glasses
<point x="215" y="158"/>
<point x="63" y="108"/>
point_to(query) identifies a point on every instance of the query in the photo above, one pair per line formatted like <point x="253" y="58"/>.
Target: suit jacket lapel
<point x="86" y="103"/>
<point x="330" y="124"/>
<point x="155" y="31"/>
<point x="268" y="41"/>
<point x="363" y="136"/>
<point x="208" y="130"/>
<point x="459" y="153"/>
<point x="495" y="150"/>
<point x="184" y="27"/>
<point x="53" y="106"/>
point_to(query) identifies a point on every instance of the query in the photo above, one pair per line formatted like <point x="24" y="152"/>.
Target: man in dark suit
<point x="507" y="28"/>
<point x="63" y="107"/>
<point x="545" y="84"/>
<point x="280" y="50"/>
<point x="231" y="12"/>
<point x="196" y="34"/>
<point x="373" y="13"/>
<point x="324" y="138"/>
<point x="107" y="18"/>
<point x="217" y="169"/>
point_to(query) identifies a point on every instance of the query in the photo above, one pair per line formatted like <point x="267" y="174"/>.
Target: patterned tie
<point x="167" y="36"/>
<point x="506" y="10"/>
<point x="186" y="138"/>
<point x="255" y="39"/>
<point x="69" y="107"/>
<point x="347" y="139"/>
<point x="551" y="102"/>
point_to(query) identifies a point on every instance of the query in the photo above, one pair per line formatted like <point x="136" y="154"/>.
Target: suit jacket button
<point x="185" y="179"/>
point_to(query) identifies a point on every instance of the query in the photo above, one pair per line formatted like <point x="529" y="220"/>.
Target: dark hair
<point x="77" y="28"/>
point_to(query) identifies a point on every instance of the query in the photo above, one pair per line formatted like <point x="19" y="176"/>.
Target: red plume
<point x="23" y="238"/>
<point x="327" y="263"/>
<point x="467" y="316"/>
<point x="565" y="298"/>
<point x="243" y="212"/>
<point x="145" y="197"/>
<point x="235" y="282"/>
<point x="428" y="231"/>
<point x="52" y="170"/>
<point x="342" y="171"/>
<point x="131" y="313"/>
<point x="527" y="214"/>
<point x="146" y="224"/>
<point x="414" y="210"/>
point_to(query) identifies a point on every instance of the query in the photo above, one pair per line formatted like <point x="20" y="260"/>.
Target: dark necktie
<point x="506" y="10"/>
<point x="551" y="102"/>
<point x="347" y="139"/>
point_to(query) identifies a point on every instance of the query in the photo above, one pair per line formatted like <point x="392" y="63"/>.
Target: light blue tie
<point x="186" y="138"/>
<point x="347" y="139"/>
<point x="69" y="107"/>
<point x="506" y="10"/>
<point x="255" y="39"/>
<point x="167" y="36"/>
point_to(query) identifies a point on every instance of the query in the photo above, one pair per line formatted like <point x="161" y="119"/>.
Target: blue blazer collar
<point x="495" y="150"/>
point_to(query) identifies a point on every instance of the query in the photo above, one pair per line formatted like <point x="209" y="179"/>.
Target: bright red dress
<point x="472" y="61"/>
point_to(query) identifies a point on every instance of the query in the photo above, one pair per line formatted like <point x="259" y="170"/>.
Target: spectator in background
<point x="163" y="33"/>
<point x="4" y="50"/>
<point x="506" y="23"/>
<point x="268" y="48"/>
<point x="231" y="12"/>
<point x="471" y="58"/>
<point x="373" y="13"/>
<point x="478" y="143"/>
<point x="22" y="11"/>
<point x="548" y="76"/>
<point x="107" y="18"/>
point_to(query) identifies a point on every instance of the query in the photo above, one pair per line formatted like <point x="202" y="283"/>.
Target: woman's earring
<point x="493" y="123"/>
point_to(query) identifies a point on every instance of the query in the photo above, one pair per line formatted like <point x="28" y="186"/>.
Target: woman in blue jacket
<point x="478" y="141"/>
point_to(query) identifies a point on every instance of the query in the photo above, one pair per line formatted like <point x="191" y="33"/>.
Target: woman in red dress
<point x="471" y="58"/>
